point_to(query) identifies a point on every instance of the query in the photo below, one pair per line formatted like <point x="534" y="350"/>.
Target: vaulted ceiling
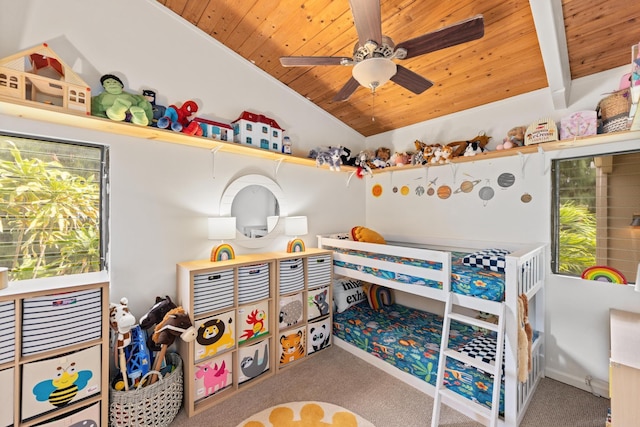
<point x="526" y="46"/>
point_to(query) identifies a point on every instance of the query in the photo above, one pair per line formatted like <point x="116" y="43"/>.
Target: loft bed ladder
<point x="488" y="416"/>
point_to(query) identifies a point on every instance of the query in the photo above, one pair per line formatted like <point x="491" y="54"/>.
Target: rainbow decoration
<point x="222" y="252"/>
<point x="295" y="245"/>
<point x="604" y="274"/>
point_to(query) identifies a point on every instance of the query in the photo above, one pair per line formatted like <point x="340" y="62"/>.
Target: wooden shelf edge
<point x="51" y="114"/>
<point x="585" y="141"/>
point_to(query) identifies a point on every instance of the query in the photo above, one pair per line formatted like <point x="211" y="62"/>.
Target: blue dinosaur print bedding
<point x="466" y="280"/>
<point x="410" y="340"/>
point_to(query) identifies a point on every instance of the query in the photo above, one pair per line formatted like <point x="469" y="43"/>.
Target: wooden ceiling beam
<point x="549" y="23"/>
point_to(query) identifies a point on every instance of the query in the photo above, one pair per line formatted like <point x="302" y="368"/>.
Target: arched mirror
<point x="258" y="203"/>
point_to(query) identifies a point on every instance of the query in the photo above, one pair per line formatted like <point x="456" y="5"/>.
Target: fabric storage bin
<point x="44" y="389"/>
<point x="86" y="417"/>
<point x="253" y="321"/>
<point x="154" y="405"/>
<point x="6" y="397"/>
<point x="318" y="303"/>
<point x="319" y="270"/>
<point x="213" y="376"/>
<point x="290" y="310"/>
<point x="292" y="345"/>
<point x="72" y="318"/>
<point x="215" y="334"/>
<point x="291" y="276"/>
<point x="253" y="360"/>
<point x="318" y="335"/>
<point x="213" y="291"/>
<point x="7" y="331"/>
<point x="253" y="283"/>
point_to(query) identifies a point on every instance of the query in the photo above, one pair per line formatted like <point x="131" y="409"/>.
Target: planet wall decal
<point x="419" y="190"/>
<point x="444" y="191"/>
<point x="466" y="186"/>
<point x="486" y="193"/>
<point x="506" y="179"/>
<point x="404" y="190"/>
<point x="376" y="190"/>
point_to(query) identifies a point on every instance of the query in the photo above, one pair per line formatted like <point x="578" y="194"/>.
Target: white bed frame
<point x="524" y="274"/>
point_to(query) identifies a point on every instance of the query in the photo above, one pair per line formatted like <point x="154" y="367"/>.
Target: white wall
<point x="161" y="193"/>
<point x="577" y="322"/>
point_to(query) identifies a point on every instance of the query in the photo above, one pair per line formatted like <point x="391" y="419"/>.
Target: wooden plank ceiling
<point x="507" y="61"/>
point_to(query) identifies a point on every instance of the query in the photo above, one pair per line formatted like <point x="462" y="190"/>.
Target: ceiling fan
<point x="374" y="52"/>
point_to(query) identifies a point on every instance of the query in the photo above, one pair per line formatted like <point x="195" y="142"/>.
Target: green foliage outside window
<point x="50" y="212"/>
<point x="577" y="239"/>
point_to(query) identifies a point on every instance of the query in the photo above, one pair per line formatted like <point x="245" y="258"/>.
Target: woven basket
<point x="154" y="405"/>
<point x="613" y="111"/>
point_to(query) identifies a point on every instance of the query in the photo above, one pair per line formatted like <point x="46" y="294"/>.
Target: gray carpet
<point x="336" y="376"/>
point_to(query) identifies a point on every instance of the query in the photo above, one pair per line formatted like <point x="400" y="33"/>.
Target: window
<point x="52" y="207"/>
<point x="594" y="201"/>
<point x="265" y="130"/>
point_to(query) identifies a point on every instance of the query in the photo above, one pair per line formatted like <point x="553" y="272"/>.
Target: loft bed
<point x="435" y="269"/>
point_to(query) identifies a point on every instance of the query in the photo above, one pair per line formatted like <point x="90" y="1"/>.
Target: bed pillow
<point x="489" y="259"/>
<point x="347" y="293"/>
<point x="377" y="296"/>
<point x="364" y="234"/>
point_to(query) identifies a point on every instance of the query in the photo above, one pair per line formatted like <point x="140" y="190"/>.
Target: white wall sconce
<point x="222" y="228"/>
<point x="295" y="226"/>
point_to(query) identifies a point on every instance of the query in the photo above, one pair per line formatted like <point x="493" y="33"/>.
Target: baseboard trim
<point x="600" y="387"/>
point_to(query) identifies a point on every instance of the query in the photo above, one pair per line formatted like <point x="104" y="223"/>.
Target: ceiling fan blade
<point x="411" y="81"/>
<point x="367" y="18"/>
<point x="461" y="32"/>
<point x="347" y="90"/>
<point x="308" y="61"/>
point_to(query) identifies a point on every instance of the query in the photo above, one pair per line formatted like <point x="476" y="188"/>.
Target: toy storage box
<point x="86" y="417"/>
<point x="44" y="389"/>
<point x="253" y="360"/>
<point x="318" y="335"/>
<point x="213" y="376"/>
<point x="215" y="335"/>
<point x="6" y="397"/>
<point x="72" y="318"/>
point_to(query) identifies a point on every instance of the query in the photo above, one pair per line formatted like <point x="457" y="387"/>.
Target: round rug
<point x="305" y="414"/>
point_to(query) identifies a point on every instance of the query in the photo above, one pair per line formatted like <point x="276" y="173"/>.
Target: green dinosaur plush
<point x="116" y="104"/>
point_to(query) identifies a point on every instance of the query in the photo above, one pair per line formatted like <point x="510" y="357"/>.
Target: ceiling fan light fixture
<point x="374" y="72"/>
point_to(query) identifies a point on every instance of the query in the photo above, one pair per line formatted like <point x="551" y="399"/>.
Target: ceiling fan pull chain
<point x="373" y="104"/>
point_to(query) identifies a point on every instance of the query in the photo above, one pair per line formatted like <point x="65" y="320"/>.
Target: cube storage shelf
<point x="255" y="315"/>
<point x="48" y="329"/>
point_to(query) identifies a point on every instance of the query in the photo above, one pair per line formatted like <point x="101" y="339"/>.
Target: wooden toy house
<point x="258" y="130"/>
<point x="39" y="76"/>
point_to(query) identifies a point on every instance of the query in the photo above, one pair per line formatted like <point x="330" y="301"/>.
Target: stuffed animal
<point x="158" y="110"/>
<point x="382" y="157"/>
<point x="178" y="119"/>
<point x="331" y="157"/>
<point x="525" y="336"/>
<point x="515" y="138"/>
<point x="363" y="162"/>
<point x="479" y="143"/>
<point x="400" y="159"/>
<point x="116" y="104"/>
